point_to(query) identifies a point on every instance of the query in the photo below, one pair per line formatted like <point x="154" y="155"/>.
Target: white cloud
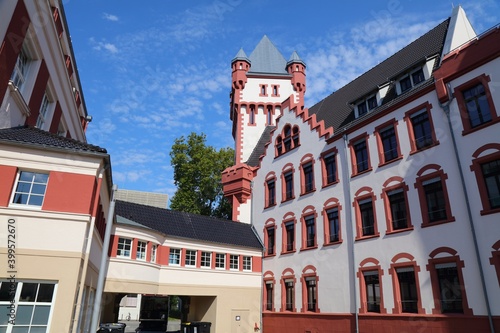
<point x="110" y="17"/>
<point x="103" y="45"/>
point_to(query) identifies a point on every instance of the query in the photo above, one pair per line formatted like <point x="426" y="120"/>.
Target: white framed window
<point x="220" y="260"/>
<point x="124" y="247"/>
<point x="174" y="258"/>
<point x="153" y="252"/>
<point x="21" y="68"/>
<point x="410" y="80"/>
<point x="234" y="261"/>
<point x="34" y="305"/>
<point x="44" y="112"/>
<point x="141" y="250"/>
<point x="247" y="263"/>
<point x="30" y="188"/>
<point x="190" y="258"/>
<point x="206" y="259"/>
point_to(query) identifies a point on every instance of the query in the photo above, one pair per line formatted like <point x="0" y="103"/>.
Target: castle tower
<point x="261" y="83"/>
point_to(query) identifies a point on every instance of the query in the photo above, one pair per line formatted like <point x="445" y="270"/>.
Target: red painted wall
<point x="375" y="323"/>
<point x="12" y="44"/>
<point x="6" y="183"/>
<point x="68" y="192"/>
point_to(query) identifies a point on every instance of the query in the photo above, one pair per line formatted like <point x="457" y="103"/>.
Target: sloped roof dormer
<point x="266" y="58"/>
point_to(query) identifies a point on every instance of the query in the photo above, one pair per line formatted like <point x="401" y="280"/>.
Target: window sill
<point x="287" y="252"/>
<point x="362" y="172"/>
<point x="330" y="184"/>
<point x="288" y="200"/>
<point x="392" y="232"/>
<point x="391" y="161"/>
<point x="270" y="255"/>
<point x="480" y="127"/>
<point x="490" y="211"/>
<point x="308" y="192"/>
<point x="270" y="206"/>
<point x="333" y="243"/>
<point x="431" y="224"/>
<point x="362" y="238"/>
<point x="308" y="248"/>
<point x="415" y="151"/>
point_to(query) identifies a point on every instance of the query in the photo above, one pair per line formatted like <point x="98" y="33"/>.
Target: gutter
<point x="446" y="108"/>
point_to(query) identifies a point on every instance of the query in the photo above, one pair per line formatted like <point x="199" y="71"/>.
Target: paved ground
<point x="173" y="325"/>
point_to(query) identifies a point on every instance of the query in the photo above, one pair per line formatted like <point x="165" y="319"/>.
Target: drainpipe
<point x="104" y="262"/>
<point x="88" y="240"/>
<point x="350" y="230"/>
<point x="446" y="108"/>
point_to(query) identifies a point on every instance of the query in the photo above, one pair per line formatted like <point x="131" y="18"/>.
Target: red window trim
<point x="408" y="262"/>
<point x="308" y="272"/>
<point x="407" y="118"/>
<point x="249" y="110"/>
<point x="394" y="123"/>
<point x="398" y="183"/>
<point x="369" y="265"/>
<point x="277" y="86"/>
<point x="306" y="159"/>
<point x="354" y="166"/>
<point x="422" y="176"/>
<point x="263" y="87"/>
<point x="495" y="259"/>
<point x="271" y="176"/>
<point x="280" y="139"/>
<point x="451" y="258"/>
<point x="331" y="204"/>
<point x="288" y="217"/>
<point x="269" y="277"/>
<point x="288" y="274"/>
<point x="476" y="168"/>
<point x="464" y="114"/>
<point x="270" y="224"/>
<point x="308" y="212"/>
<point x="287" y="169"/>
<point x="359" y="226"/>
<point x="324" y="176"/>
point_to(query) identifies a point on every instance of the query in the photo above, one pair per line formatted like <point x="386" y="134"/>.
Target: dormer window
<point x="411" y="80"/>
<point x="366" y="105"/>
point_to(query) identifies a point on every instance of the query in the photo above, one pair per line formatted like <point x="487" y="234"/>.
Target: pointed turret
<point x="240" y="65"/>
<point x="266" y="59"/>
<point x="297" y="68"/>
<point x="459" y="32"/>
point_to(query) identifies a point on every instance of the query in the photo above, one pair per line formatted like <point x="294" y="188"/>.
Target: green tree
<point x="197" y="175"/>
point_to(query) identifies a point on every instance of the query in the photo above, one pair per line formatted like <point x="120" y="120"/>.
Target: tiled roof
<point x="266" y="58"/>
<point x="190" y="226"/>
<point x="260" y="147"/>
<point x="37" y="138"/>
<point x="335" y="110"/>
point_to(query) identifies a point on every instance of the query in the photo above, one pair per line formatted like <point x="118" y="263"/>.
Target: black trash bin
<point x="200" y="327"/>
<point x="187" y="328"/>
<point x="112" y="328"/>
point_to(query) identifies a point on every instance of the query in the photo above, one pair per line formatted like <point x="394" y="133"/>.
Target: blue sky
<point x="156" y="70"/>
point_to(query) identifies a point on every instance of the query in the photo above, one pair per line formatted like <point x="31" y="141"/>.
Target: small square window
<point x="174" y="257"/>
<point x="247" y="263"/>
<point x="190" y="258"/>
<point x="220" y="260"/>
<point x="30" y="188"/>
<point x="124" y="247"/>
<point x="206" y="259"/>
<point x="234" y="262"/>
<point x="141" y="250"/>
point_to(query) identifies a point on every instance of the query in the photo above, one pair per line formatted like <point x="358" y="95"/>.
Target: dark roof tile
<point x="187" y="225"/>
<point x="35" y="137"/>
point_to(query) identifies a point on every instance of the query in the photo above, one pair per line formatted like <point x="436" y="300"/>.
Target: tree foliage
<point x="197" y="175"/>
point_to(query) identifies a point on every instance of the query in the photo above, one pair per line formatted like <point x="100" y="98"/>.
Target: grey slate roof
<point x="37" y="138"/>
<point x="295" y="58"/>
<point x="266" y="58"/>
<point x="260" y="147"/>
<point x="335" y="111"/>
<point x="186" y="225"/>
<point x="241" y="55"/>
